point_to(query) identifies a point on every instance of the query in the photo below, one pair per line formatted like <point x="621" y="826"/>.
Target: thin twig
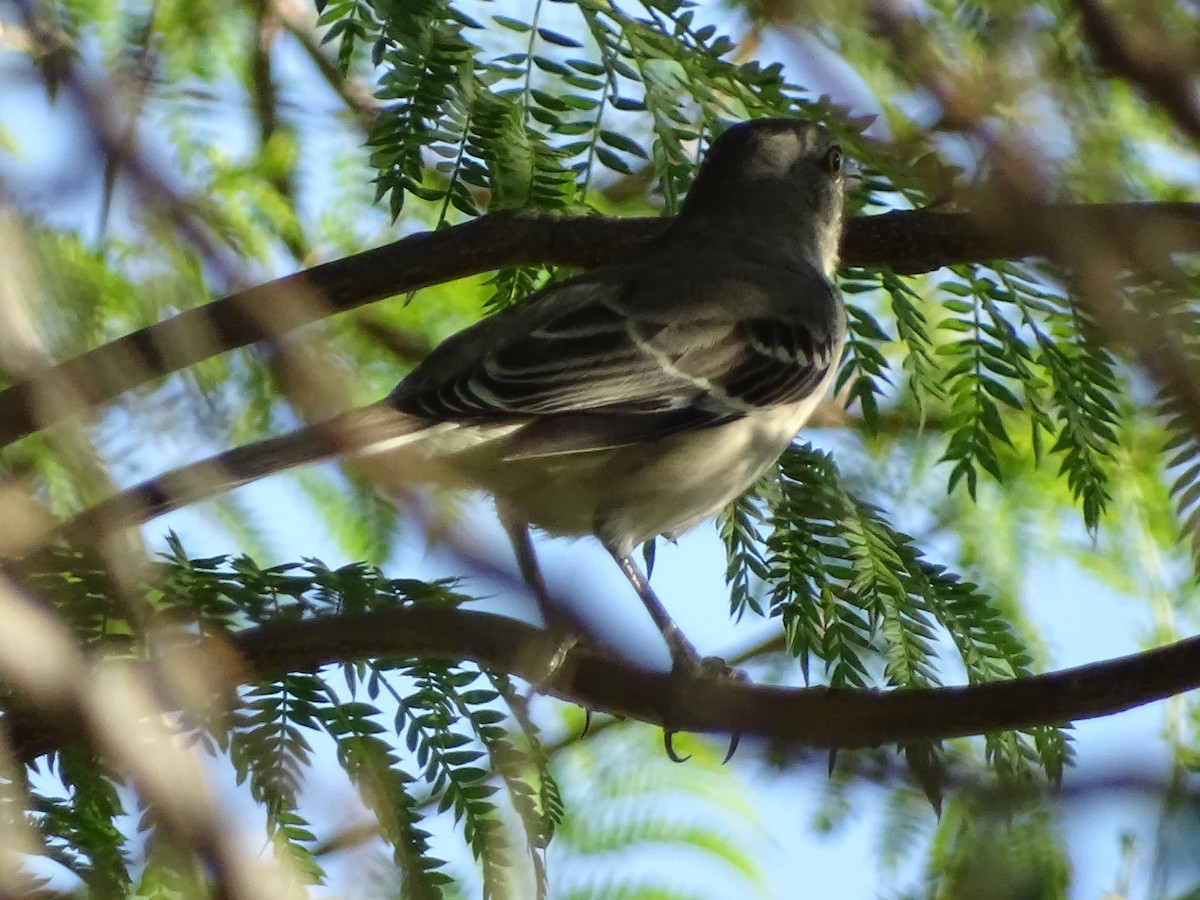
<point x="297" y="20"/>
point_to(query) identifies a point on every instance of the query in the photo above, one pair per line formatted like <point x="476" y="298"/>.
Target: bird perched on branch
<point x="627" y="402"/>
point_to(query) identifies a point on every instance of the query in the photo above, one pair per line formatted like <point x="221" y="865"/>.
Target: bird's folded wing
<point x="595" y="371"/>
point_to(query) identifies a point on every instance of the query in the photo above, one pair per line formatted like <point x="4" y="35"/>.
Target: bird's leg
<point x="683" y="654"/>
<point x="684" y="657"/>
<point x="553" y="613"/>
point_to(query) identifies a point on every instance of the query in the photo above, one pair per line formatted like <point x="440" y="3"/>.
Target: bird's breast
<point x="628" y="495"/>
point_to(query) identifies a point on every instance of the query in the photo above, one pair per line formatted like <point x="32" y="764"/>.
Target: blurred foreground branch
<point x="115" y="707"/>
<point x="1145" y="57"/>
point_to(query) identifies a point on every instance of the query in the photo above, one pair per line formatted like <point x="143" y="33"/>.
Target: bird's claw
<point x="734" y="740"/>
<point x="736" y="737"/>
<point x="709" y="668"/>
<point x="669" y="746"/>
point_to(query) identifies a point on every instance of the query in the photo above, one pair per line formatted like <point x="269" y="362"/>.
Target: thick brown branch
<point x="819" y="717"/>
<point x="908" y="242"/>
<point x="814" y="717"/>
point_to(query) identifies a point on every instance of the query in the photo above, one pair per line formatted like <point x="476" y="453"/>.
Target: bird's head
<point x="774" y="176"/>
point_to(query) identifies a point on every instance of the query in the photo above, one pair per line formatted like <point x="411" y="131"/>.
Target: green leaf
<point x="553" y="37"/>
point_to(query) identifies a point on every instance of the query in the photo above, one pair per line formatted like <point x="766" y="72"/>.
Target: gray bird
<point x="627" y="402"/>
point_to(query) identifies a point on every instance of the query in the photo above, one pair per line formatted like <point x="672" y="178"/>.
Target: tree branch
<point x="909" y="242"/>
<point x="814" y="717"/>
<point x="1145" y="59"/>
<point x="299" y="20"/>
<point x="820" y="717"/>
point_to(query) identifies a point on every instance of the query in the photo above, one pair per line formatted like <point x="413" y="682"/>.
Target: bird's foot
<point x="687" y="663"/>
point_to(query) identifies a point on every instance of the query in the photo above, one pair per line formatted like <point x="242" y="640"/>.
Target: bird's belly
<point x="629" y="495"/>
<point x="693" y="476"/>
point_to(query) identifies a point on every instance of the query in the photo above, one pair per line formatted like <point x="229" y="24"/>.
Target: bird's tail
<point x="371" y="429"/>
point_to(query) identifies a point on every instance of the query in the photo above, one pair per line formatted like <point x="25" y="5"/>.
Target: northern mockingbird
<point x="630" y="401"/>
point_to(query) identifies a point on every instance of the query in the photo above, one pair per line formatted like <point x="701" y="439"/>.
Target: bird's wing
<point x="591" y="368"/>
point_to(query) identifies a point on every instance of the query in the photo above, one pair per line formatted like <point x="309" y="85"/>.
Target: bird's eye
<point x="833" y="160"/>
